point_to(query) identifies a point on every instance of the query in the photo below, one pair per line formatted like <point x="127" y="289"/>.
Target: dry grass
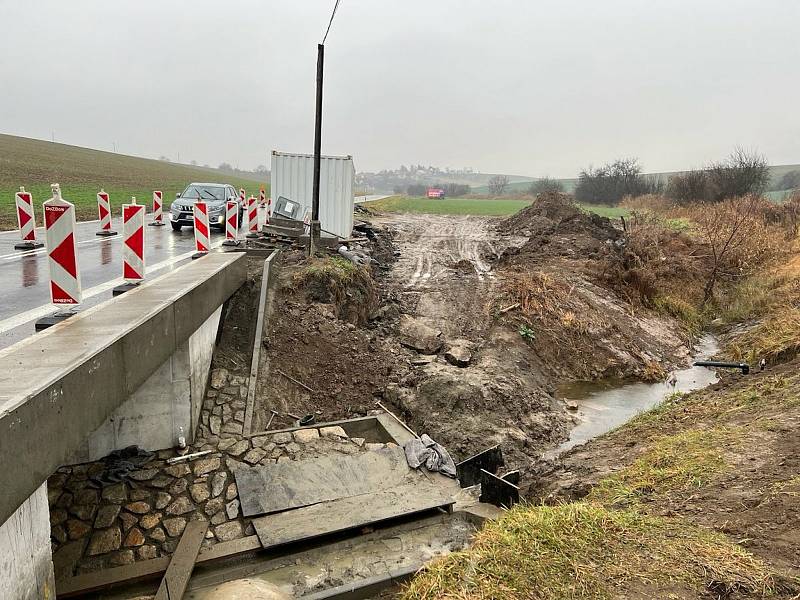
<point x="584" y="550"/>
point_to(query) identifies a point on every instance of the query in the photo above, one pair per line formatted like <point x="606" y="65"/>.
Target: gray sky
<point x="528" y="87"/>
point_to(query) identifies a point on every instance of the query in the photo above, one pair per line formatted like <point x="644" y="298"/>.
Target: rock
<point x="175" y="526"/>
<point x="258" y="441"/>
<point x="83" y="512"/>
<point x="147" y="552"/>
<point x="214" y="505"/>
<point x="205" y="465"/>
<point x="218" y="483"/>
<point x="215" y="424"/>
<point x="199" y="492"/>
<point x="231" y="492"/>
<point x="162" y="499"/>
<point x="346" y="449"/>
<point x="254" y="456"/>
<point x="58" y="516"/>
<point x="276" y="452"/>
<point x="219" y="377"/>
<point x="122" y="558"/>
<point x="134" y="538"/>
<point x="65" y="501"/>
<point x="373" y="446"/>
<point x="421" y="361"/>
<point x="335" y="431"/>
<point x="181" y="506"/>
<point x="571" y="405"/>
<point x="239" y="447"/>
<point x="161" y="481"/>
<point x="282" y="438"/>
<point x="106" y="515"/>
<point x="87" y="496"/>
<point x="128" y="520"/>
<point x="358" y="441"/>
<point x="235" y="428"/>
<point x="179" y="470"/>
<point x="232" y="509"/>
<point x="414" y="334"/>
<point x="239" y="416"/>
<point x="77" y="529"/>
<point x="293" y="448"/>
<point x="459" y="353"/>
<point x="304" y="436"/>
<point x="144" y="475"/>
<point x="158" y="534"/>
<point x="150" y="521"/>
<point x="177" y="488"/>
<point x="170" y="545"/>
<point x="139" y="508"/>
<point x="58" y="533"/>
<point x="228" y="531"/>
<point x="219" y="518"/>
<point x="226" y="443"/>
<point x="105" y="541"/>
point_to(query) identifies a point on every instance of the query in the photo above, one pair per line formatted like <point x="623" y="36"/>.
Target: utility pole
<point x="314" y="231"/>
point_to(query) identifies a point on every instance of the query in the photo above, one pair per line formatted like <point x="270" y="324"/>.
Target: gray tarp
<point x="424" y="451"/>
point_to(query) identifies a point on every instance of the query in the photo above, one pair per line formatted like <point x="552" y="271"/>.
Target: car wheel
<point x="175" y="226"/>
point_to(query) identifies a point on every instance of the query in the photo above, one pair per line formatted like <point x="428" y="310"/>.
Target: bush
<point x="611" y="183"/>
<point x="692" y="186"/>
<point x="741" y="174"/>
<point x="546" y="185"/>
<point x="789" y="181"/>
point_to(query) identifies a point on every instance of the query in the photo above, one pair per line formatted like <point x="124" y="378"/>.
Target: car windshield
<point x="204" y="192"/>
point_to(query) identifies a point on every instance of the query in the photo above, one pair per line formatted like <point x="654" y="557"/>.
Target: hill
<point x="81" y="172"/>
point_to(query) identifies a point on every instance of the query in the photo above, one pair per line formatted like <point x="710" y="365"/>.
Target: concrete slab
<point x="62" y="384"/>
<point x="293" y="484"/>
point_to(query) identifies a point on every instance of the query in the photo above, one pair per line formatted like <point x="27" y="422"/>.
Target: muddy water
<point x="605" y="405"/>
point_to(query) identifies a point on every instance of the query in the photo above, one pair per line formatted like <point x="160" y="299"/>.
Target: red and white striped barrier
<point x="158" y="209"/>
<point x="269" y="209"/>
<point x="202" y="241"/>
<point x="231" y="223"/>
<point x="252" y="217"/>
<point x="26" y="219"/>
<point x="104" y="212"/>
<point x="62" y="253"/>
<point x="133" y="239"/>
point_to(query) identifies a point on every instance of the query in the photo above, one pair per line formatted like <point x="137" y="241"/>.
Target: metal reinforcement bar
<point x="745" y="368"/>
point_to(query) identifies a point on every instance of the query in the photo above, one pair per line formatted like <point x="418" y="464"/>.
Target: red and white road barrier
<point x="26" y="219"/>
<point x="252" y="217"/>
<point x="104" y="212"/>
<point x="269" y="209"/>
<point x="62" y="252"/>
<point x="231" y="223"/>
<point x="202" y="241"/>
<point x="133" y="241"/>
<point x="158" y="209"/>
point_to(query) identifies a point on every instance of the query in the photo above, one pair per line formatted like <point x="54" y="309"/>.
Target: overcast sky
<point x="528" y="86"/>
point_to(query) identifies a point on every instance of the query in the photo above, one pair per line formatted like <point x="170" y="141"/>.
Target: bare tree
<point x="546" y="185"/>
<point x="498" y="185"/>
<point x="743" y="172"/>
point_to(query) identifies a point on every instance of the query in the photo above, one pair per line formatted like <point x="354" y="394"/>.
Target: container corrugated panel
<point x="292" y="177"/>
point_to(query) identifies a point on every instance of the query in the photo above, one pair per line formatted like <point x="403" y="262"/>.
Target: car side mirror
<point x="177" y="194"/>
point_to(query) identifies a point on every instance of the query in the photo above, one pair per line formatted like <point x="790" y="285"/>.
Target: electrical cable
<point x="333" y="14"/>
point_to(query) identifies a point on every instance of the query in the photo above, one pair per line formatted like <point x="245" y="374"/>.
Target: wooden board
<point x="296" y="483"/>
<point x="348" y="513"/>
<point x="181" y="566"/>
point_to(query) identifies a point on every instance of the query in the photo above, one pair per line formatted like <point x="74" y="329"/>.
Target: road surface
<point x="25" y="295"/>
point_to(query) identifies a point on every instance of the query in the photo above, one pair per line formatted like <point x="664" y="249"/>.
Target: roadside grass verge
<point x="612" y="212"/>
<point x="585" y="550"/>
<point x="335" y="280"/>
<point x="449" y="206"/>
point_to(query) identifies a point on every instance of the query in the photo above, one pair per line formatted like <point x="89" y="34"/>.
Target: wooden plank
<point x="296" y="483"/>
<point x="183" y="559"/>
<point x="348" y="513"/>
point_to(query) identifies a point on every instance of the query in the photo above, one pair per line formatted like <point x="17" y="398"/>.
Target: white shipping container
<point x="292" y="177"/>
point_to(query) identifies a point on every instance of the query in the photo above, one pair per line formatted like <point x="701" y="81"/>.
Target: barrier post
<point x="133" y="268"/>
<point x="269" y="209"/>
<point x="62" y="257"/>
<point x="104" y="212"/>
<point x="26" y="219"/>
<point x="252" y="217"/>
<point x="158" y="209"/>
<point x="231" y="223"/>
<point x="202" y="241"/>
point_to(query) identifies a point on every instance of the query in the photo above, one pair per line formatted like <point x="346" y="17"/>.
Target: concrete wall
<point x="171" y="398"/>
<point x="26" y="567"/>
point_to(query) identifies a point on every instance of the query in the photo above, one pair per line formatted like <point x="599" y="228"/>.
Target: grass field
<point x="81" y="172"/>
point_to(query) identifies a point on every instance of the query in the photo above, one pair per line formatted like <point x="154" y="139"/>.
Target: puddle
<point x="605" y="405"/>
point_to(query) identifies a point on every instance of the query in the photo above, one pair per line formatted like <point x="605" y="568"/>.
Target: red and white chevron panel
<point x="269" y="209"/>
<point x="133" y="242"/>
<point x="62" y="252"/>
<point x="158" y="207"/>
<point x="202" y="241"/>
<point x="104" y="210"/>
<point x="252" y="215"/>
<point x="26" y="217"/>
<point x="231" y="220"/>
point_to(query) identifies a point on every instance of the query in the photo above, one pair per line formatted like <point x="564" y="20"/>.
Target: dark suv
<point x="214" y="194"/>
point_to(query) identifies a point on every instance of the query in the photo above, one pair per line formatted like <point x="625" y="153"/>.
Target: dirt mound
<point x="547" y="209"/>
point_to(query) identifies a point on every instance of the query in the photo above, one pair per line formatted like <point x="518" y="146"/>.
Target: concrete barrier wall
<point x="26" y="566"/>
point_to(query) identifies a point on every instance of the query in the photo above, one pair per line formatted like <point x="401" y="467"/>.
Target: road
<point x="25" y="296"/>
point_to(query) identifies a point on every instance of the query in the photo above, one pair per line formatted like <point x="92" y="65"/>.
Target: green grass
<point x="449" y="206"/>
<point x="81" y="172"/>
<point x="612" y="212"/>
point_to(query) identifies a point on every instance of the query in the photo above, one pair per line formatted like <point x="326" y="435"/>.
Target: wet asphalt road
<point x="24" y="279"/>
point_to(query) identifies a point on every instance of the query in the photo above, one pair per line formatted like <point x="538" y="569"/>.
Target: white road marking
<point x="46" y="309"/>
<point x="41" y="251"/>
